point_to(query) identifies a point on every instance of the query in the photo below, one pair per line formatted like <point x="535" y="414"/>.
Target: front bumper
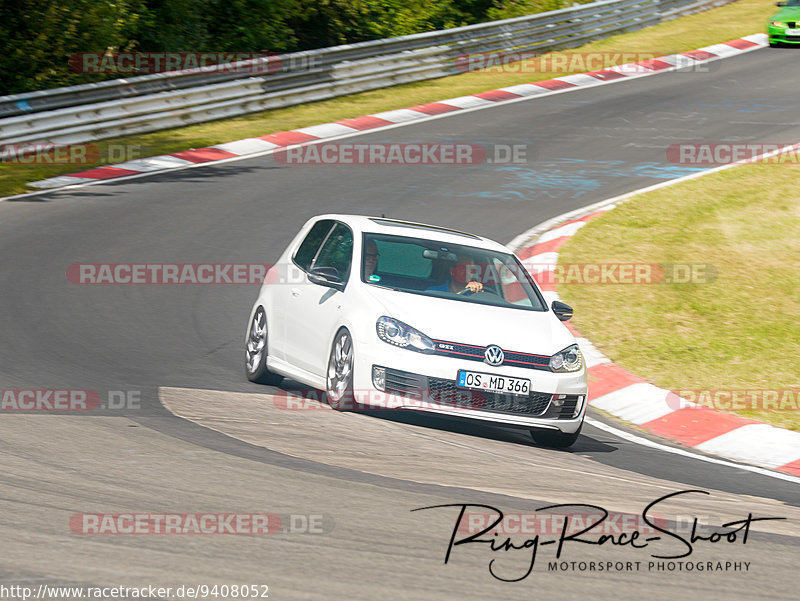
<point x="777" y="35"/>
<point x="427" y="383"/>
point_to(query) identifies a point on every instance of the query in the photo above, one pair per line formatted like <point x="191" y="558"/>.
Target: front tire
<point x="255" y="358"/>
<point x="339" y="389"/>
<point x="555" y="440"/>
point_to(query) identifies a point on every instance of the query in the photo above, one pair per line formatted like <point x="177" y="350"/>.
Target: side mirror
<point x="562" y="310"/>
<point x="326" y="276"/>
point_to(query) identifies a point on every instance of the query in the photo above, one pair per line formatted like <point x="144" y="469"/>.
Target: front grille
<point x="459" y="350"/>
<point x="527" y="360"/>
<point x="445" y="392"/>
<point x="476" y="353"/>
<point x="442" y="391"/>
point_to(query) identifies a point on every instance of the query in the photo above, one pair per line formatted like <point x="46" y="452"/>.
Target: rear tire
<point x="255" y="354"/>
<point x="555" y="440"/>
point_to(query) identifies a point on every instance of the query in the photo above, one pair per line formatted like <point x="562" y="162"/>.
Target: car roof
<point x="399" y="227"/>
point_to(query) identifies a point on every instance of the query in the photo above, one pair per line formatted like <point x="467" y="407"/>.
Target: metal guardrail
<point x="146" y="103"/>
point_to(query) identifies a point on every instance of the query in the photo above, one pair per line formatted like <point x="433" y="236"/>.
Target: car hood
<point x="537" y="332"/>
<point x="788" y="13"/>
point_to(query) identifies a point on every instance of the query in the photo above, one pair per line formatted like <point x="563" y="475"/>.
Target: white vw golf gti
<point x="383" y="313"/>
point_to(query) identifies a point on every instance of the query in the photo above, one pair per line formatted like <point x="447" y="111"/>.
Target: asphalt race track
<point x="232" y="451"/>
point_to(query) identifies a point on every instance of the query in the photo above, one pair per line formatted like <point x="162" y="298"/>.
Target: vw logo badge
<point x="493" y="355"/>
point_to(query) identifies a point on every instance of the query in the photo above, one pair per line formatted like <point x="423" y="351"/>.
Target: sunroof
<point x="422" y="226"/>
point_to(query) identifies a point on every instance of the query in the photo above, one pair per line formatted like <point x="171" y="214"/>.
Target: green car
<point x="784" y="26"/>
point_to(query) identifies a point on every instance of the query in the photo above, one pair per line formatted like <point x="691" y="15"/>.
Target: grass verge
<point x="739" y="332"/>
<point x="718" y="25"/>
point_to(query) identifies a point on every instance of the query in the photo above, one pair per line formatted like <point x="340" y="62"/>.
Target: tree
<point x="37" y="38"/>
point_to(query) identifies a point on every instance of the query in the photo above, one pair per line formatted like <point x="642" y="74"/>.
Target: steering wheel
<point x="467" y="292"/>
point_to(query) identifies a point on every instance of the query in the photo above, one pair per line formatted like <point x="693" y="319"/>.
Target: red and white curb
<point x="259" y="146"/>
<point x="633" y="399"/>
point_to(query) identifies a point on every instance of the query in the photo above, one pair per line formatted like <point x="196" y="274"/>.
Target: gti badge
<point x="493" y="355"/>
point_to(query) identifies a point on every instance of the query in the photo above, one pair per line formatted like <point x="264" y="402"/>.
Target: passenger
<point x="370" y="259"/>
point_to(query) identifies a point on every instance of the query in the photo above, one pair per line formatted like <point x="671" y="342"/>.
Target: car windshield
<point x="792" y="3"/>
<point x="451" y="271"/>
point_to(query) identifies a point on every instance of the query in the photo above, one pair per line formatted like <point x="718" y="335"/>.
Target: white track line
<point x="684" y="453"/>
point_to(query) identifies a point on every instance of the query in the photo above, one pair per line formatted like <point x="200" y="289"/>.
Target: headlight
<point x="777" y="23"/>
<point x="403" y="335"/>
<point x="570" y="359"/>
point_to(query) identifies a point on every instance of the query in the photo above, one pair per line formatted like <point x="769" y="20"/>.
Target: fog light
<point x="557" y="402"/>
<point x="379" y="377"/>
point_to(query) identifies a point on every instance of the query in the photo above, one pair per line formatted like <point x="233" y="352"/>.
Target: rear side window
<point x="308" y="248"/>
<point x="337" y="251"/>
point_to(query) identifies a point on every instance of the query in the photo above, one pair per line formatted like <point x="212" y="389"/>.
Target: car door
<point x="282" y="292"/>
<point x="315" y="310"/>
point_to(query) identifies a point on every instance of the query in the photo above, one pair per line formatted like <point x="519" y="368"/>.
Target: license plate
<point x="476" y="380"/>
<point x="791" y="31"/>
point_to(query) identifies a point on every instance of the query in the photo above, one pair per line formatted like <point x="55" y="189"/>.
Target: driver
<point x="460" y="272"/>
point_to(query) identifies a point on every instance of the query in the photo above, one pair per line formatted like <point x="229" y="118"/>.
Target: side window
<point x="337" y="251"/>
<point x="310" y="245"/>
